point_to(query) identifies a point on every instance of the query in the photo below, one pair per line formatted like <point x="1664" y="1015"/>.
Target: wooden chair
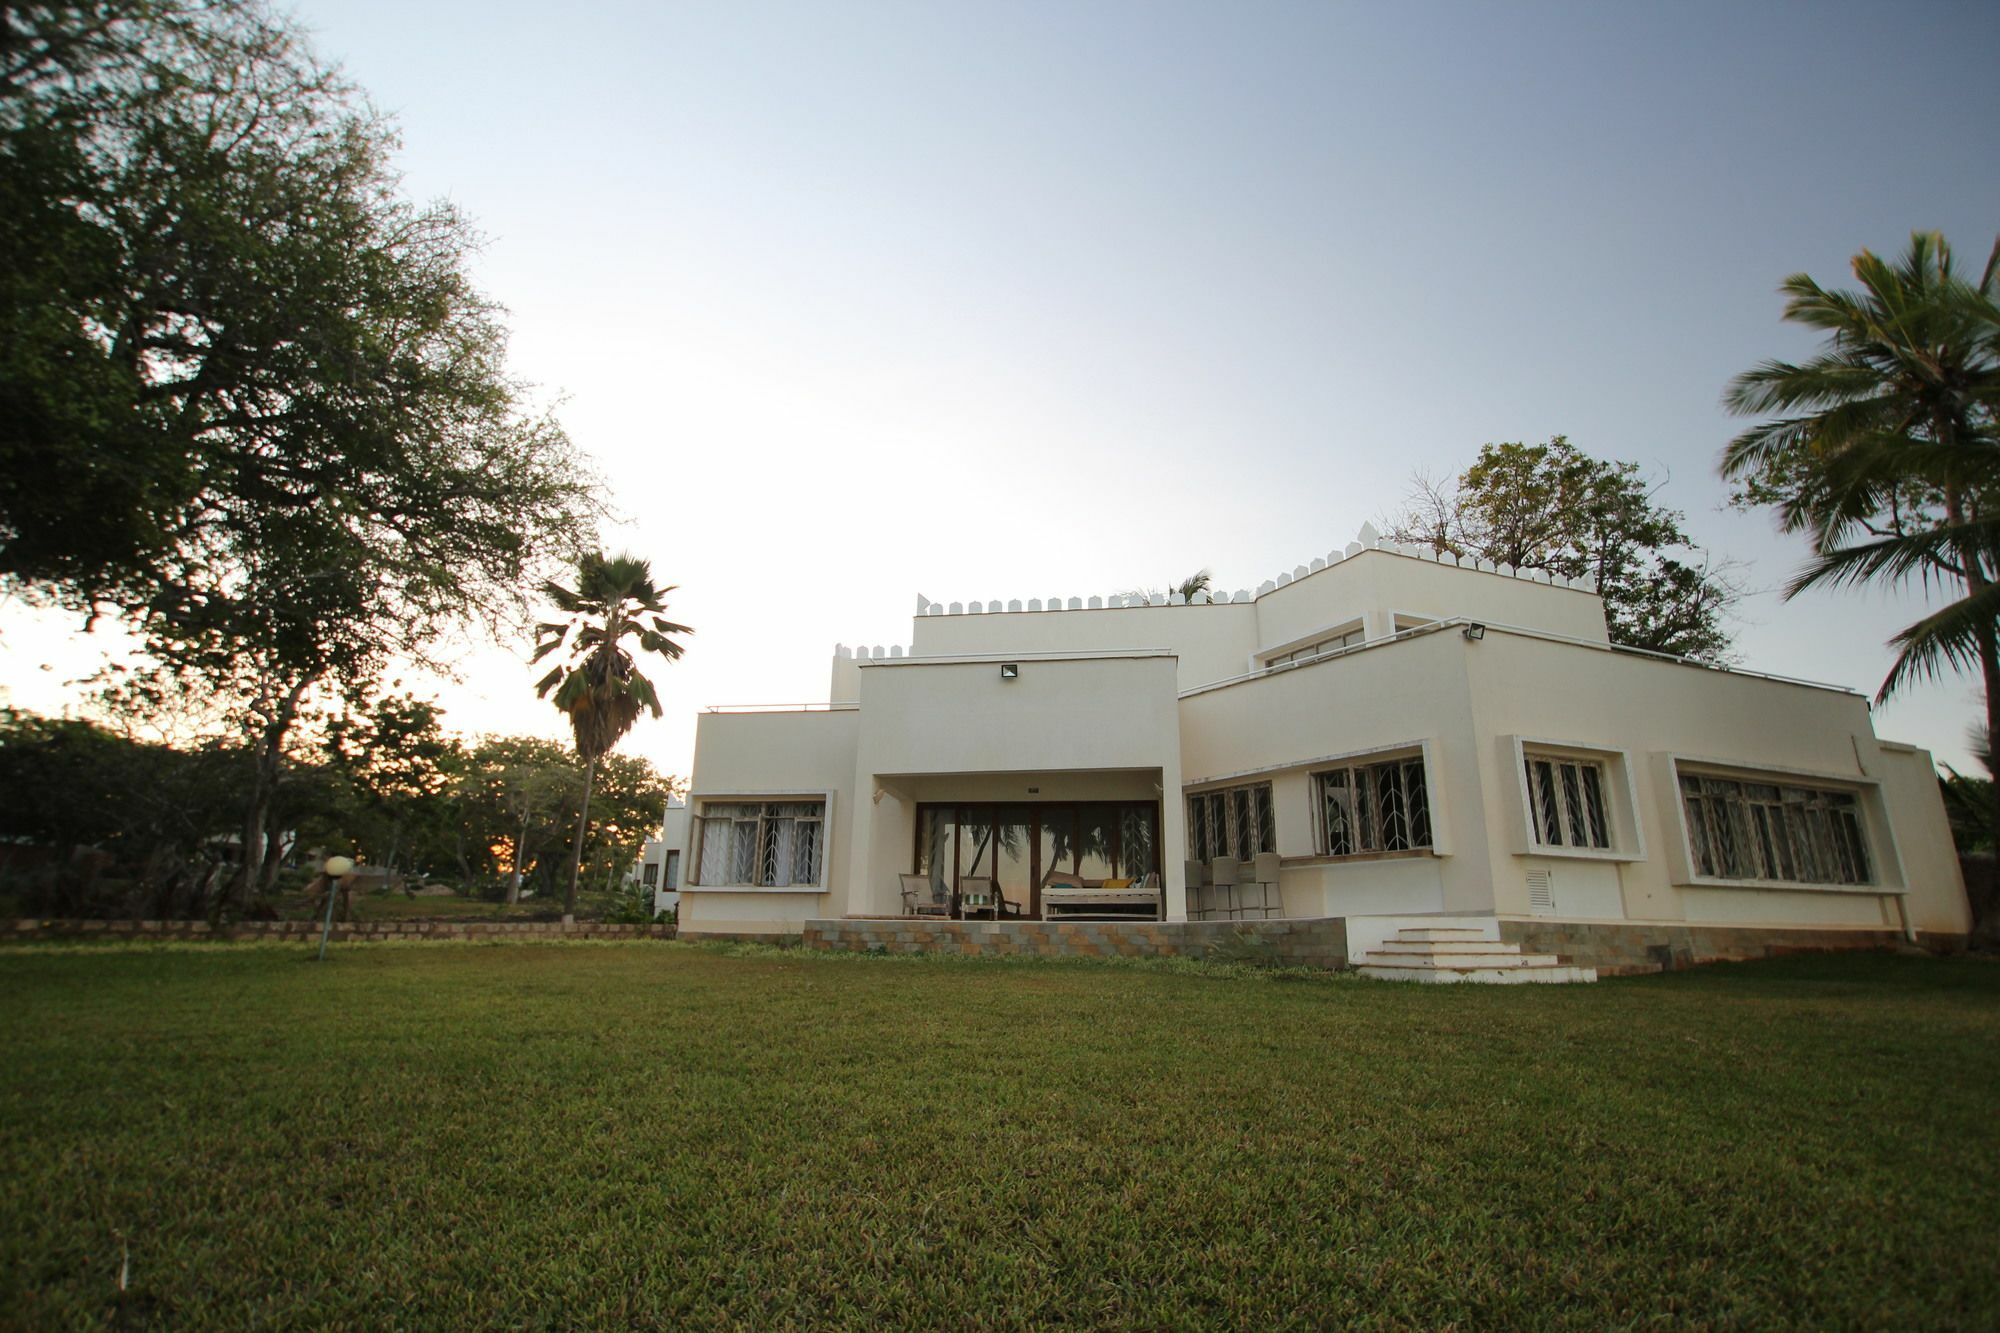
<point x="978" y="893"/>
<point x="921" y="897"/>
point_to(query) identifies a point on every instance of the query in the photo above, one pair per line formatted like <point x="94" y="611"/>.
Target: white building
<point x="1407" y="735"/>
<point x="659" y="867"/>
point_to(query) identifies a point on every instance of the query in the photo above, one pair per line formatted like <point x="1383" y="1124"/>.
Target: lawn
<point x="562" y="1134"/>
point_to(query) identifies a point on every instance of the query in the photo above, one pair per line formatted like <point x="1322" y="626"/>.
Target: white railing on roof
<point x="782" y="708"/>
<point x="1519" y="631"/>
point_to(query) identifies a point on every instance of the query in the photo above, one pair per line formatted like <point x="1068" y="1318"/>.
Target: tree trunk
<point x="269" y="751"/>
<point x="1976" y="582"/>
<point x="582" y="827"/>
<point x="520" y="866"/>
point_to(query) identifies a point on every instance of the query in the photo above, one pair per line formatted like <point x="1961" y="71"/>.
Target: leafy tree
<point x="397" y="761"/>
<point x="516" y="793"/>
<point x="626" y="804"/>
<point x="1553" y="507"/>
<point x="598" y="685"/>
<point x="153" y="812"/>
<point x="288" y="445"/>
<point x="1884" y="451"/>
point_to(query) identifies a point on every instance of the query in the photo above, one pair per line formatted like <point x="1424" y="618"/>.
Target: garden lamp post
<point x="336" y="869"/>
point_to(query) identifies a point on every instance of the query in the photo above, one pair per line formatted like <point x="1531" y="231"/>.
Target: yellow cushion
<point x="1117" y="884"/>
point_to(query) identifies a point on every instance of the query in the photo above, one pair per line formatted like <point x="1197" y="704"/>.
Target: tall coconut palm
<point x="1887" y="450"/>
<point x="598" y="684"/>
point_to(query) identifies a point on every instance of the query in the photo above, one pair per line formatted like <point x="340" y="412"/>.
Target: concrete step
<point x="1445" y="948"/>
<point x="1448" y="934"/>
<point x="1489" y="976"/>
<point x="1481" y="959"/>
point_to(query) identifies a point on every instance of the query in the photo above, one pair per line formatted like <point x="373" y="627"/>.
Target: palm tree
<point x="598" y="685"/>
<point x="1887" y="450"/>
<point x="1199" y="581"/>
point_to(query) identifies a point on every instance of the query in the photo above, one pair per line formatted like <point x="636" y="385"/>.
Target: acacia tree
<point x="397" y="762"/>
<point x="1553" y="507"/>
<point x="599" y="685"/>
<point x="514" y="792"/>
<point x="1885" y="450"/>
<point x="288" y="444"/>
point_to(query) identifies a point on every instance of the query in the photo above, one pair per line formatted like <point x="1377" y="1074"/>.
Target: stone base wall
<point x="31" y="928"/>
<point x="1615" y="948"/>
<point x="1306" y="942"/>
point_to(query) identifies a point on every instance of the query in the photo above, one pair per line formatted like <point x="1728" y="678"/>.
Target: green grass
<point x="667" y="1134"/>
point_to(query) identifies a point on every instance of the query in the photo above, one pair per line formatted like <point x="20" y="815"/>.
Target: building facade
<point x="1397" y="735"/>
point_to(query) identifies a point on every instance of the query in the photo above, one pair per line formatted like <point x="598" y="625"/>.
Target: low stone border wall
<point x="1306" y="942"/>
<point x="31" y="928"/>
<point x="1616" y="948"/>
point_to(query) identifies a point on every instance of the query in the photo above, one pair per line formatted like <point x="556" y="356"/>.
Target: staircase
<point x="1463" y="953"/>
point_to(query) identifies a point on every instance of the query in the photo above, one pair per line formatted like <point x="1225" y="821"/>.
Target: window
<point x="1765" y="830"/>
<point x="1566" y="802"/>
<point x="768" y="844"/>
<point x="1381" y="807"/>
<point x="672" y="879"/>
<point x="1234" y="822"/>
<point x="649" y="874"/>
<point x="1333" y="643"/>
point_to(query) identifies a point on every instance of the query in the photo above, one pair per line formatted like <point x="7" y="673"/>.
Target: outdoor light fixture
<point x="1475" y="631"/>
<point x="336" y="869"/>
<point x="1010" y="671"/>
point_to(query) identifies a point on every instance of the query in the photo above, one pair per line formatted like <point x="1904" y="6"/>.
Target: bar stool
<point x="1197" y="881"/>
<point x="1266" y="871"/>
<point x="1225" y="873"/>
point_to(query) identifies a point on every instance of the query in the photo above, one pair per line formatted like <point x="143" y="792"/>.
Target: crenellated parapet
<point x="1367" y="540"/>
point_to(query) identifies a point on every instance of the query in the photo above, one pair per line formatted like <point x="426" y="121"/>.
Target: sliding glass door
<point x="1019" y="846"/>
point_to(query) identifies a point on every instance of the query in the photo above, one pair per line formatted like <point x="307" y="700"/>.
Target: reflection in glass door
<point x="1013" y="865"/>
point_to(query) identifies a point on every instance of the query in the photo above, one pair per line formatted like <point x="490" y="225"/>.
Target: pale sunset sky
<point x="857" y="301"/>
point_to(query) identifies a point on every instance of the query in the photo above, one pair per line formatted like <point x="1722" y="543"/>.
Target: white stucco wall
<point x="1219" y="641"/>
<point x="1098" y="728"/>
<point x="769" y="756"/>
<point x="1406" y="696"/>
<point x="1112" y="704"/>
<point x="1642" y="713"/>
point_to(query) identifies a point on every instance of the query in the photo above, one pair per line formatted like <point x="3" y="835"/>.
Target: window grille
<point x="773" y="844"/>
<point x="1381" y="807"/>
<point x="649" y="874"/>
<point x="1566" y="800"/>
<point x="1233" y="822"/>
<point x="1765" y="830"/>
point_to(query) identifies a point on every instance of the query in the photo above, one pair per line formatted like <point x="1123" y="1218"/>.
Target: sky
<point x="855" y="302"/>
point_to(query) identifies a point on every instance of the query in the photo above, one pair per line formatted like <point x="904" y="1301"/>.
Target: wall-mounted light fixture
<point x="1010" y="671"/>
<point x="1475" y="631"/>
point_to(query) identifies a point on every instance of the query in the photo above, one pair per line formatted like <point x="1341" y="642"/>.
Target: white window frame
<point x="1877" y="833"/>
<point x="698" y="805"/>
<point x="1569" y="802"/>
<point x="1231" y="817"/>
<point x="1620" y="792"/>
<point x="1419" y="754"/>
<point x="1409" y="622"/>
<point x="1288" y="654"/>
